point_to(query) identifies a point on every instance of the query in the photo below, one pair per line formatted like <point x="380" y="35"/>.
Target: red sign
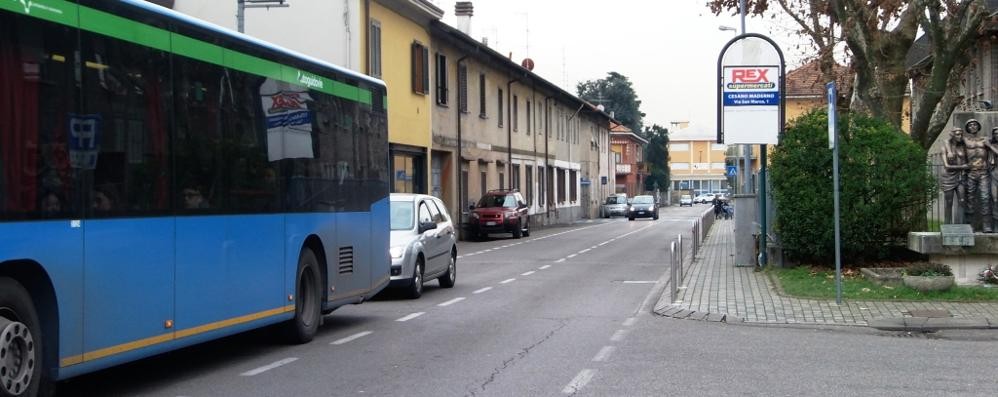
<point x="749" y="76"/>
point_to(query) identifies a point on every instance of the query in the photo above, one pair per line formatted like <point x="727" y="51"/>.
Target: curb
<point x="927" y="324"/>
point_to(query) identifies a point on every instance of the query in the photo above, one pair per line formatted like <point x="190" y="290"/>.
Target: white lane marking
<point x="410" y="317"/>
<point x="478" y="291"/>
<point x="604" y="243"/>
<point x="640" y="282"/>
<point x="351" y="338"/>
<point x="579" y="382"/>
<point x="630" y="321"/>
<point x="572" y="256"/>
<point x="508" y="280"/>
<point x="488" y="250"/>
<point x="593" y="247"/>
<point x="618" y="336"/>
<point x="527" y="273"/>
<point x="451" y="302"/>
<point x="560" y="260"/>
<point x="604" y="353"/>
<point x="544" y="267"/>
<point x="585" y="250"/>
<point x="269" y="367"/>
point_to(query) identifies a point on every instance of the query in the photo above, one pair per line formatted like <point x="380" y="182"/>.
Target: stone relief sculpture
<point x="951" y="177"/>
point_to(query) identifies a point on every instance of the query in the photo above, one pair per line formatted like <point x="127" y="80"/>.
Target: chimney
<point x="463" y="10"/>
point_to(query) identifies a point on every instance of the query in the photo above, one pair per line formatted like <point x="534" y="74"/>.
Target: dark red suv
<point x="500" y="211"/>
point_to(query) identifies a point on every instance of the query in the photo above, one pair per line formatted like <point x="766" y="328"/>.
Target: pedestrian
<point x="718" y="207"/>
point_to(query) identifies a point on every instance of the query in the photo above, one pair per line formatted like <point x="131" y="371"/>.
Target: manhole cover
<point x="934" y="313"/>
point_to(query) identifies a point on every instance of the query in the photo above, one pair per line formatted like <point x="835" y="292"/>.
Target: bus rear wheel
<point x="308" y="300"/>
<point x="20" y="341"/>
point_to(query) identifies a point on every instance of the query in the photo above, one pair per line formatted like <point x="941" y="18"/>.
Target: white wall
<point x="325" y="29"/>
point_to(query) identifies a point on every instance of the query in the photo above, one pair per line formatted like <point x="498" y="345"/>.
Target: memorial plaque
<point x="961" y="235"/>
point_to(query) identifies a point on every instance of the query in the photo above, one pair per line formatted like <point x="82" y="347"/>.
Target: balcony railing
<point x="623" y="169"/>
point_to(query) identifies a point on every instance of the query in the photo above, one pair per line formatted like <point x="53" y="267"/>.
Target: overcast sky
<point x="667" y="48"/>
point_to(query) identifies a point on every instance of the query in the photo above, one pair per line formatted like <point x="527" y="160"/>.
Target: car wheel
<point x="416" y="287"/>
<point x="308" y="296"/>
<point x="654" y="217"/>
<point x="517" y="230"/>
<point x="526" y="229"/>
<point x="447" y="280"/>
<point x="20" y="342"/>
<point x="630" y="218"/>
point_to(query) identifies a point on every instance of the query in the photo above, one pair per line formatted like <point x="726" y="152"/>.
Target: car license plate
<point x="641" y="212"/>
<point x="490" y="223"/>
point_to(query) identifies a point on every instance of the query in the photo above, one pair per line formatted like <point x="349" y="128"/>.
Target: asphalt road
<point x="565" y="311"/>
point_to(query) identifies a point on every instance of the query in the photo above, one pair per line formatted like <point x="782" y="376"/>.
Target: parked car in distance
<point x="615" y="204"/>
<point x="423" y="243"/>
<point x="703" y="198"/>
<point x="685" y="200"/>
<point x="500" y="211"/>
<point x="642" y="207"/>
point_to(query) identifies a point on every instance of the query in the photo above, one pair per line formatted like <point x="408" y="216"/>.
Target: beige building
<point x="497" y="125"/>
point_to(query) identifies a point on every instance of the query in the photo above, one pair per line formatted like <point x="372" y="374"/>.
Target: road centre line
<point x="478" y="291"/>
<point x="571" y="256"/>
<point x="451" y="302"/>
<point x="410" y="317"/>
<point x="579" y="381"/>
<point x="585" y="250"/>
<point x="560" y="260"/>
<point x="604" y="353"/>
<point x="269" y="367"/>
<point x="618" y="336"/>
<point x="640" y="281"/>
<point x="544" y="267"/>
<point x="507" y="281"/>
<point x="527" y="273"/>
<point x="351" y="338"/>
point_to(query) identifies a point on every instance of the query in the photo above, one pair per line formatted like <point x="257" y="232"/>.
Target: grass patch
<point x="819" y="283"/>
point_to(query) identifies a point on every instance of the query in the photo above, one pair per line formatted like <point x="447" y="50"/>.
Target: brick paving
<point x="716" y="290"/>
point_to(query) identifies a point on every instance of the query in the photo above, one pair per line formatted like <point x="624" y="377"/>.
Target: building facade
<point x="697" y="163"/>
<point x="497" y="125"/>
<point x="628" y="155"/>
<point x="398" y="52"/>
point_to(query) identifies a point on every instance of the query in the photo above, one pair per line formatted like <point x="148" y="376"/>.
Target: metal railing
<point x="677" y="252"/>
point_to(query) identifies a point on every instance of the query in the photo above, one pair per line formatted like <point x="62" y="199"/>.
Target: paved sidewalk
<point x="716" y="290"/>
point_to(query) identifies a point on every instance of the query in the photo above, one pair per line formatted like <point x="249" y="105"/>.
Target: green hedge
<point x="884" y="192"/>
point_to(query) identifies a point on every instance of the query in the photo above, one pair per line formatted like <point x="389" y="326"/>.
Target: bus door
<point x="128" y="230"/>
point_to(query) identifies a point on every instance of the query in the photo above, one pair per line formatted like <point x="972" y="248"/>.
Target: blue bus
<point x="164" y="182"/>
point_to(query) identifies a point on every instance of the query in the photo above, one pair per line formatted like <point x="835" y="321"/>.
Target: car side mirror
<point x="425" y="226"/>
<point x="522" y="204"/>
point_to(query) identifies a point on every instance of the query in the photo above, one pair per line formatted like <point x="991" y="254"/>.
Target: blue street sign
<point x="732" y="170"/>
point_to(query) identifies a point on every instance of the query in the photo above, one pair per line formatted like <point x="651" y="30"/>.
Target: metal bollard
<point x="682" y="256"/>
<point x="672" y="265"/>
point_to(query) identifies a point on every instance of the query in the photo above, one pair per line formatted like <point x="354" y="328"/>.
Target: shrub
<point x="926" y="269"/>
<point x="884" y="188"/>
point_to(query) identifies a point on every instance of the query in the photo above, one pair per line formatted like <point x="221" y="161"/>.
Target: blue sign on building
<point x="732" y="170"/>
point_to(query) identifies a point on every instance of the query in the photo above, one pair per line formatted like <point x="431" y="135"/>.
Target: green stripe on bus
<point x="89" y="19"/>
<point x="58" y="11"/>
<point x="196" y="49"/>
<point x="124" y="29"/>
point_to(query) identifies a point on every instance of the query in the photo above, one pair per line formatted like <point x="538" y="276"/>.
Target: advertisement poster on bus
<point x="289" y="121"/>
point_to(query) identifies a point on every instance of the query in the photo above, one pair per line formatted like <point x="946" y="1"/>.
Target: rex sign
<point x="750" y="97"/>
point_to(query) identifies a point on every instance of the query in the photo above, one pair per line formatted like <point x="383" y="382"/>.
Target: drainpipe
<point x="367" y="36"/>
<point x="509" y="132"/>
<point x="547" y="165"/>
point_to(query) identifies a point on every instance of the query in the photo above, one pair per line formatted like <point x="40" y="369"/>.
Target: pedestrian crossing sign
<point x="732" y="170"/>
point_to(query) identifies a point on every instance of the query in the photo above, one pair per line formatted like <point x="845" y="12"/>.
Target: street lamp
<point x="727" y="28"/>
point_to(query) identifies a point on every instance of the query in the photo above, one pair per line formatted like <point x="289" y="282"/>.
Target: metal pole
<point x="834" y="135"/>
<point x="241" y="15"/>
<point x="746" y="149"/>
<point x="763" y="237"/>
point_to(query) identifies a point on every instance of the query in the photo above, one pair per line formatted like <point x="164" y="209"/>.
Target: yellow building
<point x="806" y="91"/>
<point x="697" y="163"/>
<point x="398" y="42"/>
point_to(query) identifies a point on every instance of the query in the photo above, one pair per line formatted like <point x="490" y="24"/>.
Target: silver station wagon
<point x="423" y="243"/>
